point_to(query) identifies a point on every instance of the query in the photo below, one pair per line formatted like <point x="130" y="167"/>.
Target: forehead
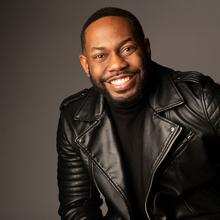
<point x="108" y="29"/>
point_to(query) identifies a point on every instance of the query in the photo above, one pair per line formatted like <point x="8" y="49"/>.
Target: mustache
<point x="120" y="73"/>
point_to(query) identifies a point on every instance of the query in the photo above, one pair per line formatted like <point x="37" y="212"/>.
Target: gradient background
<point x="39" y="67"/>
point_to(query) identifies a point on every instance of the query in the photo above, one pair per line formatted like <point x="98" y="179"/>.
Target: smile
<point x="120" y="81"/>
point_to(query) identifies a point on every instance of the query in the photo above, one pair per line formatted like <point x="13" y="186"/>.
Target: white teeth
<point x="120" y="81"/>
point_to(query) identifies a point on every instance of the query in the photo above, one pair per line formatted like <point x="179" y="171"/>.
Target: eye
<point x="99" y="56"/>
<point x="128" y="50"/>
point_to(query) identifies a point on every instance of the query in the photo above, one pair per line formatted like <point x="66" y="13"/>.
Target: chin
<point x="124" y="99"/>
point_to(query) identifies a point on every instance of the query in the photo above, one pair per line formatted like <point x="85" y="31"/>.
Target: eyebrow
<point x="98" y="48"/>
<point x="119" y="45"/>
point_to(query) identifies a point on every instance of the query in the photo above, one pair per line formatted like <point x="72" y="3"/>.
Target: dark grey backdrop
<point x="39" y="67"/>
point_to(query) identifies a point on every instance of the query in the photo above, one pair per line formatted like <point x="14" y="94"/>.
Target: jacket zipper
<point x="180" y="149"/>
<point x="178" y="130"/>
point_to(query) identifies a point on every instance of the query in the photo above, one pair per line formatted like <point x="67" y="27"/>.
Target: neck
<point x="130" y="105"/>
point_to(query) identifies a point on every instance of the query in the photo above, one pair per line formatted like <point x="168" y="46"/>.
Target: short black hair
<point x="111" y="11"/>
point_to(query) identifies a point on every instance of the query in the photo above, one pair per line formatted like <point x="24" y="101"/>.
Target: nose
<point x="117" y="63"/>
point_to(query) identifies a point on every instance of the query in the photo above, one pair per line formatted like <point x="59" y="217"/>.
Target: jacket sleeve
<point x="79" y="200"/>
<point x="211" y="103"/>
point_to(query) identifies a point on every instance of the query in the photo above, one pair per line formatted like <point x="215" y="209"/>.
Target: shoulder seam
<point x="73" y="98"/>
<point x="189" y="76"/>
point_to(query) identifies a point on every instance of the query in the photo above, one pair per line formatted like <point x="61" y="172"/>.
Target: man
<point x="144" y="136"/>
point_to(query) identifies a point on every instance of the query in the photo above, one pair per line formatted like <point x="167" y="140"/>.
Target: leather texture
<point x="181" y="148"/>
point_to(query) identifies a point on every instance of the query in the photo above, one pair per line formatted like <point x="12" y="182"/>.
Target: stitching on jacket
<point x="174" y="86"/>
<point x="190" y="208"/>
<point x="194" y="112"/>
<point x="166" y="143"/>
<point x="65" y="120"/>
<point x="205" y="108"/>
<point x="115" y="186"/>
<point x="173" y="104"/>
<point x="90" y="175"/>
<point x="90" y="156"/>
<point x="188" y="76"/>
<point x="181" y="151"/>
<point x="89" y="128"/>
<point x="73" y="98"/>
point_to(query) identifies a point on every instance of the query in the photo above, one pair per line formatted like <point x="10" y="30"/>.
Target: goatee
<point x="126" y="102"/>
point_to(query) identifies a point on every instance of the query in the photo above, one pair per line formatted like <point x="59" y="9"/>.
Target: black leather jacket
<point x="181" y="152"/>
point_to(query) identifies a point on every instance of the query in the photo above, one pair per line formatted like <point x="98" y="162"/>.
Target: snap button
<point x="172" y="129"/>
<point x="189" y="136"/>
<point x="80" y="140"/>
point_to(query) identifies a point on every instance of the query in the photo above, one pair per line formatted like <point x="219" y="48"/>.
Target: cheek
<point x="97" y="71"/>
<point x="136" y="62"/>
<point x="136" y="58"/>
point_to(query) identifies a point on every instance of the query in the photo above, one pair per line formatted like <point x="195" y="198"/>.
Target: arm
<point x="79" y="200"/>
<point x="211" y="103"/>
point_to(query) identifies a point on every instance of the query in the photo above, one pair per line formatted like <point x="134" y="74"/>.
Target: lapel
<point x="163" y="95"/>
<point x="99" y="142"/>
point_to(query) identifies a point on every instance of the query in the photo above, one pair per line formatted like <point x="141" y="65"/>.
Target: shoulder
<point x="195" y="80"/>
<point x="74" y="99"/>
<point x="195" y="83"/>
<point x="178" y="77"/>
<point x="189" y="77"/>
<point x="200" y="92"/>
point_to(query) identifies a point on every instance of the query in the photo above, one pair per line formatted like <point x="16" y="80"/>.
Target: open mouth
<point x="120" y="81"/>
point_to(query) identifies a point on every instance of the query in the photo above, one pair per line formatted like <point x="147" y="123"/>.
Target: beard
<point x="100" y="87"/>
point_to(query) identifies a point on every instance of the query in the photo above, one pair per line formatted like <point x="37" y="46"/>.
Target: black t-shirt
<point x="129" y="121"/>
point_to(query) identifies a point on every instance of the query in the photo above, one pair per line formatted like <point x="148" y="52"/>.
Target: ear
<point x="147" y="47"/>
<point x="84" y="63"/>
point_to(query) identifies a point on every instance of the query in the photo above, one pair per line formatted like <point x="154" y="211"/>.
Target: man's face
<point x="113" y="58"/>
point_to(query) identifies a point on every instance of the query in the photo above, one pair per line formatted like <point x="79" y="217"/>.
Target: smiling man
<point x="113" y="58"/>
<point x="144" y="136"/>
